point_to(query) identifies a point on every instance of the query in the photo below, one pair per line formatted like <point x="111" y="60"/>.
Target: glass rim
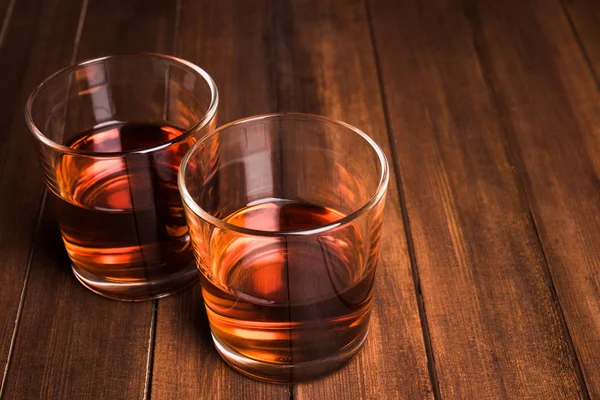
<point x="368" y="205"/>
<point x="207" y="117"/>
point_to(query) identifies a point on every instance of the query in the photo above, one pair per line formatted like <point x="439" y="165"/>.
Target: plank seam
<point x="13" y="339"/>
<point x="584" y="52"/>
<point x="431" y="365"/>
<point x="274" y="56"/>
<point x="80" y="23"/>
<point x="155" y="303"/>
<point x="151" y="347"/>
<point x="469" y="10"/>
<point x="6" y="20"/>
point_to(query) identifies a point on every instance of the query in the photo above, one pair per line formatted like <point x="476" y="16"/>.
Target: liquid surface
<point x="121" y="217"/>
<point x="288" y="300"/>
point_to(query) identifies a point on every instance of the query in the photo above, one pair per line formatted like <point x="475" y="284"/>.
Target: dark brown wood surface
<point x="489" y="112"/>
<point x="579" y="268"/>
<point x="482" y="270"/>
<point x="30" y="49"/>
<point x="549" y="102"/>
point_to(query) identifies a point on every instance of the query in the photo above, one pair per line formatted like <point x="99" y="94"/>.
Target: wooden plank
<point x="325" y="65"/>
<point x="496" y="327"/>
<point x="230" y="40"/>
<point x="6" y="9"/>
<point x="34" y="45"/>
<point x="584" y="15"/>
<point x="550" y="104"/>
<point x="72" y="343"/>
<point x="128" y="26"/>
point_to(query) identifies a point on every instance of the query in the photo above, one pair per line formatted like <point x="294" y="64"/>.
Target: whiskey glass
<point x="285" y="213"/>
<point x="111" y="133"/>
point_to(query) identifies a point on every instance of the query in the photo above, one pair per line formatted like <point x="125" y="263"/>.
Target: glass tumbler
<point x="285" y="213"/>
<point x="111" y="133"/>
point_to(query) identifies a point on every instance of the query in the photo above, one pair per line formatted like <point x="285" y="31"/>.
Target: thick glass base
<point x="138" y="291"/>
<point x="288" y="373"/>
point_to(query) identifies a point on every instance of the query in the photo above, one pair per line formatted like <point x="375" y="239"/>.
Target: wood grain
<point x="31" y="48"/>
<point x="72" y="343"/>
<point x="496" y="327"/>
<point x="230" y="40"/>
<point x="584" y="15"/>
<point x="325" y="65"/>
<point x="550" y="106"/>
<point x="490" y="114"/>
<point x="114" y="26"/>
<point x="6" y="9"/>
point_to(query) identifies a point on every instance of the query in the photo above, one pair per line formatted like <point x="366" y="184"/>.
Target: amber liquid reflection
<point x="288" y="300"/>
<point x="121" y="217"/>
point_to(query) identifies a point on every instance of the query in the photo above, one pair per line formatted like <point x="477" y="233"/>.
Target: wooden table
<point x="489" y="111"/>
